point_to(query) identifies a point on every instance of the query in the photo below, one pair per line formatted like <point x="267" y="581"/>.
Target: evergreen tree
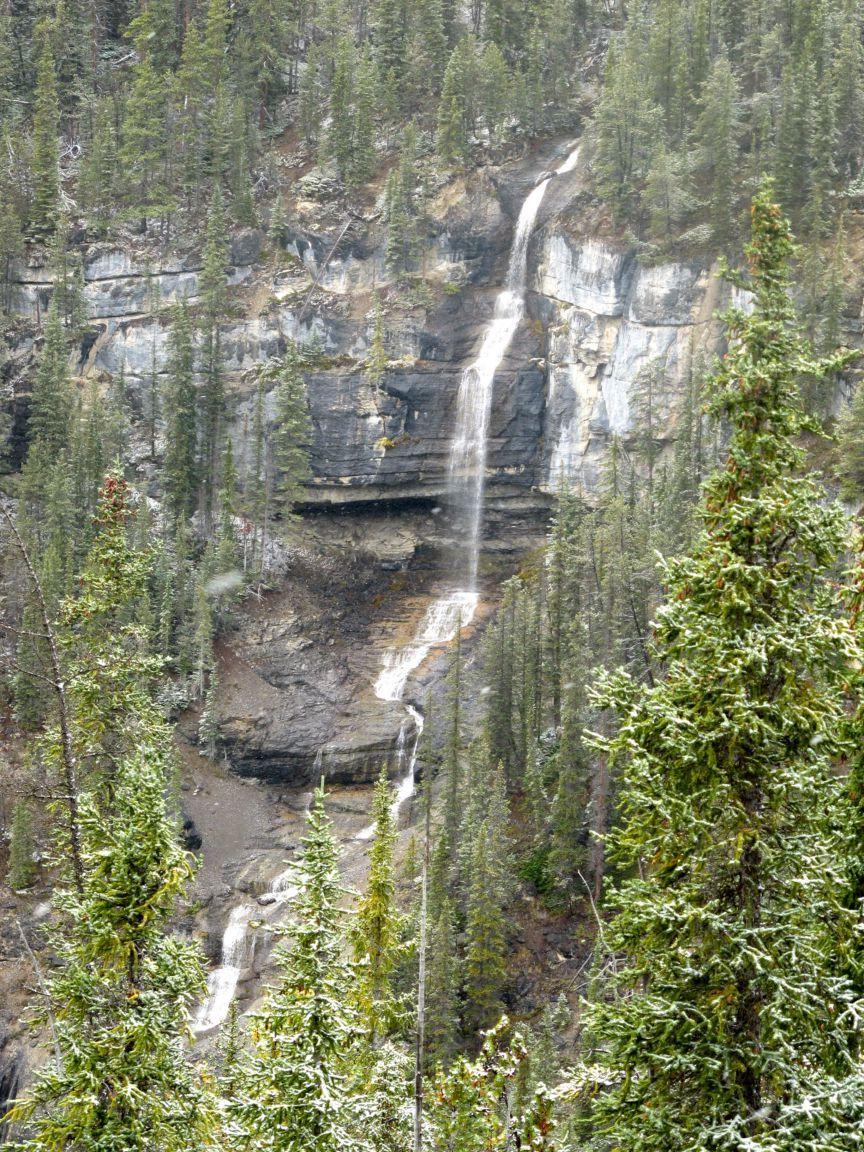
<point x="427" y="58"/>
<point x="731" y="1023"/>
<point x="629" y="125"/>
<point x="213" y="290"/>
<point x="485" y="935"/>
<point x="143" y="152"/>
<point x="851" y="443"/>
<point x="21" y="871"/>
<point x="847" y="85"/>
<point x="361" y="167"/>
<point x="377" y="931"/>
<point x="180" y="466"/>
<point x="68" y="294"/>
<point x="398" y="223"/>
<point x="87" y="455"/>
<point x="341" y="136"/>
<point x="294" y="1084"/>
<point x="391" y="25"/>
<point x="11" y="247"/>
<point x="495" y="88"/>
<point x="292" y="433"/>
<point x="569" y="806"/>
<point x="224" y="551"/>
<point x="312" y="95"/>
<point x="667" y="198"/>
<point x="46" y="130"/>
<point x="51" y="403"/>
<point x="456" y="110"/>
<point x="499" y="662"/>
<point x="382" y="1109"/>
<point x="99" y="167"/>
<point x="120" y="996"/>
<point x="473" y="1101"/>
<point x="442" y="981"/>
<point x="718" y="132"/>
<point x="563" y="598"/>
<point x="400" y="208"/>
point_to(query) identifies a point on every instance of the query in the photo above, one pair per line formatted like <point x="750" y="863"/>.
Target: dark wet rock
<point x="190" y="836"/>
<point x="246" y="246"/>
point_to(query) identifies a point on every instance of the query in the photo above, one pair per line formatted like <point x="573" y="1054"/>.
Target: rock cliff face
<point x="295" y="680"/>
<point x="609" y="321"/>
<point x="596" y="319"/>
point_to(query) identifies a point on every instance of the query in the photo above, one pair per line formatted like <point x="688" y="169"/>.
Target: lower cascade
<point x="443" y="619"/>
<point x="237" y="942"/>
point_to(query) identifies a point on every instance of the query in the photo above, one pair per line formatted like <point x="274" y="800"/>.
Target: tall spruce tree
<point x="485" y="929"/>
<point x="377" y="930"/>
<point x="46" y="130"/>
<point x="51" y="405"/>
<point x="294" y="1085"/>
<point x="118" y="1001"/>
<point x="21" y="871"/>
<point x="180" y="465"/>
<point x="214" y="300"/>
<point x="292" y="433"/>
<point x="731" y="1024"/>
<point x="144" y="149"/>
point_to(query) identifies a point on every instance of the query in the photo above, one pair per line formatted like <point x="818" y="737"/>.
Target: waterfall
<point x="466" y="482"/>
<point x="439" y="625"/>
<point x="222" y="981"/>
<point x="467" y="466"/>
<point x="446" y="615"/>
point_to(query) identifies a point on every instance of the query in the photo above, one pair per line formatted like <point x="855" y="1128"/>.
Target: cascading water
<point x="236" y="944"/>
<point x="466" y="482"/>
<point x="236" y="940"/>
<point x="467" y="471"/>
<point x="437" y="627"/>
<point x="222" y="981"/>
<point x="443" y="619"/>
<point x="447" y="615"/>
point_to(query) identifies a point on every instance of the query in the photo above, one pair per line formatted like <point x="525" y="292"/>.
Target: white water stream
<point x="222" y="981"/>
<point x="466" y="483"/>
<point x="446" y="615"/>
<point x="468" y="451"/>
<point x="237" y="941"/>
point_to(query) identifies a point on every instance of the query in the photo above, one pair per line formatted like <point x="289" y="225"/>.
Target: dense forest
<point x="610" y="897"/>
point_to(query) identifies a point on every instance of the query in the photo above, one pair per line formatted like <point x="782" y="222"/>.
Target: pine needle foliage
<point x="119" y="998"/>
<point x="294" y="1094"/>
<point x="21" y="872"/>
<point x="378" y="929"/>
<point x="473" y="1103"/>
<point x="731" y="1023"/>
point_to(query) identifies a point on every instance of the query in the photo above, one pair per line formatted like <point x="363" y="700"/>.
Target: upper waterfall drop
<point x="453" y="611"/>
<point x="467" y="465"/>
